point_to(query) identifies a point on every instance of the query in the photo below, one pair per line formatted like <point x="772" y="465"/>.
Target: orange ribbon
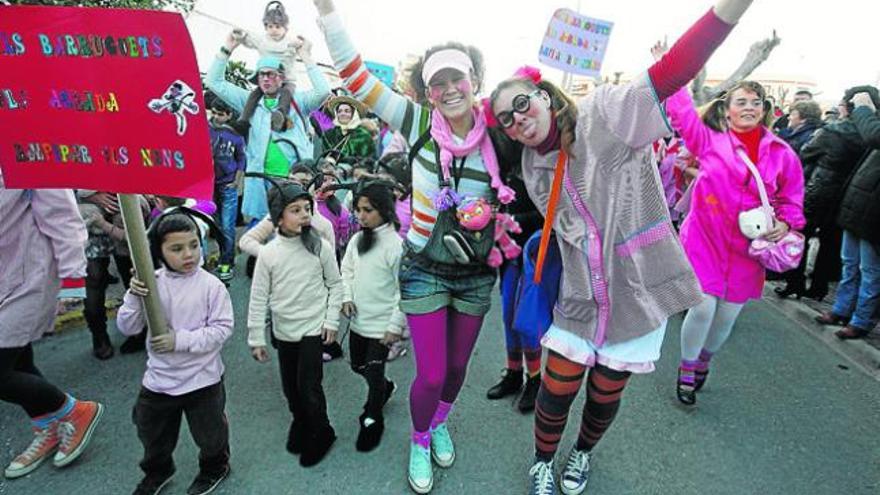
<point x="561" y="162"/>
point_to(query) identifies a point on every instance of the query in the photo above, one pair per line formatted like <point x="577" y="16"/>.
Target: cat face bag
<point x="779" y="256"/>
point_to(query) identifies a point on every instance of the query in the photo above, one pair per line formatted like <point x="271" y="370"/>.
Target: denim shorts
<point x="426" y="286"/>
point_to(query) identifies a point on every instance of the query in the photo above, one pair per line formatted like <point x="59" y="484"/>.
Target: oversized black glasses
<point x="521" y="104"/>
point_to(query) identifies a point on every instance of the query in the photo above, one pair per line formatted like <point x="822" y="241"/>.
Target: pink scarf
<point x="477" y="137"/>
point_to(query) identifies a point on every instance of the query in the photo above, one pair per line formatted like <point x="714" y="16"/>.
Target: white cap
<point x="449" y="58"/>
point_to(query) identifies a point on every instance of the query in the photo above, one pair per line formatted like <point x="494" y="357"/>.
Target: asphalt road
<point x="780" y="414"/>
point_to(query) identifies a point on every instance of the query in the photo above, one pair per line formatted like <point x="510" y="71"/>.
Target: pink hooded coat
<point x="710" y="233"/>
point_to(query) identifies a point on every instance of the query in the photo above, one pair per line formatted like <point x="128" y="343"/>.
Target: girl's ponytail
<point x="714" y="114"/>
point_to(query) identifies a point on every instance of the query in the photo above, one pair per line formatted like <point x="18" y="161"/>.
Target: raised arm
<point x="312" y="99"/>
<point x="691" y="52"/>
<point x="684" y="119"/>
<point x="400" y="113"/>
<point x="865" y="118"/>
<point x="216" y="81"/>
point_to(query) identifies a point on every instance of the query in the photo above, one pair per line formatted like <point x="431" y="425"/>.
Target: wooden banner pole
<point x="136" y="234"/>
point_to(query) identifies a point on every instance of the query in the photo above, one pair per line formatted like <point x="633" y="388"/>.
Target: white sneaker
<point x="542" y="480"/>
<point x="576" y="473"/>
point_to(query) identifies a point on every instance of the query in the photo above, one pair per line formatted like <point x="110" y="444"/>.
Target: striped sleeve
<point x="401" y="114"/>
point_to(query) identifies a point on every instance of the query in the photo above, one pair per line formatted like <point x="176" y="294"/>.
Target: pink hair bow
<point x="529" y="72"/>
<point x="487" y="111"/>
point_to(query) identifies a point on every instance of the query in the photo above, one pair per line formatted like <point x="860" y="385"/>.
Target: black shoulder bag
<point x="450" y="243"/>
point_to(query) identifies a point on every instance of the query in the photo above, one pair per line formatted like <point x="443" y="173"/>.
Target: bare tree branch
<point x="757" y="55"/>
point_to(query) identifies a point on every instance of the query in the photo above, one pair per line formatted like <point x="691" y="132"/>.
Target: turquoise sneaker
<point x="442" y="449"/>
<point x="421" y="477"/>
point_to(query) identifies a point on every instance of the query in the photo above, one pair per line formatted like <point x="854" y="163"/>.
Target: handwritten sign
<point x="106" y="99"/>
<point x="385" y="73"/>
<point x="575" y="43"/>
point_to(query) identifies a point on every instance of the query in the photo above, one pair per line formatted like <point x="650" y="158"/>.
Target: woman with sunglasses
<point x="444" y="292"/>
<point x="590" y="167"/>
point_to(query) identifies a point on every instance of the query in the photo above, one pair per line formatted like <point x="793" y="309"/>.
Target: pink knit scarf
<point x="441" y="131"/>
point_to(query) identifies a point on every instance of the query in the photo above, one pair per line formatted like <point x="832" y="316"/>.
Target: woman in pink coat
<point x="710" y="233"/>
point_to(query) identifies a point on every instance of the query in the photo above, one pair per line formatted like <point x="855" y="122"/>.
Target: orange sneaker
<point x="45" y="442"/>
<point x="75" y="431"/>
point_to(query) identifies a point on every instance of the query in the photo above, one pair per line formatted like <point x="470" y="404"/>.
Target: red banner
<point x="105" y="99"/>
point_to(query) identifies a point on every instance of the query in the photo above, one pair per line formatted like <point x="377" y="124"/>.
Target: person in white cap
<point x="444" y="280"/>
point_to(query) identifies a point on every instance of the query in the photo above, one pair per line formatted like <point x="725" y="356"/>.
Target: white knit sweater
<point x="302" y="291"/>
<point x="370" y="281"/>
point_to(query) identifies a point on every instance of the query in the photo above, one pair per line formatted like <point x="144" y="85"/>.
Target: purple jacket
<point x="42" y="240"/>
<point x="710" y="232"/>
<point x="199" y="311"/>
<point x="343" y="227"/>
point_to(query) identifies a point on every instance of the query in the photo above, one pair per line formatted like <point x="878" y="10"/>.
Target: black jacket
<point x="800" y="136"/>
<point x="828" y="159"/>
<point x="860" y="208"/>
<point x="522" y="209"/>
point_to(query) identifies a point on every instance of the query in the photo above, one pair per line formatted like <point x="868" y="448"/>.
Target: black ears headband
<point x="153" y="231"/>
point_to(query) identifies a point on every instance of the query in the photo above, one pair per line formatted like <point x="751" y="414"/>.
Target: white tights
<point x="707" y="326"/>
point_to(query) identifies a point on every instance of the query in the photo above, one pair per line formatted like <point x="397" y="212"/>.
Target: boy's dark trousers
<point x="158" y="416"/>
<point x="302" y="370"/>
<point x="368" y="358"/>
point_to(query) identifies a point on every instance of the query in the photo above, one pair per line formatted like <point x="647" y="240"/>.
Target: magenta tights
<point x="443" y="342"/>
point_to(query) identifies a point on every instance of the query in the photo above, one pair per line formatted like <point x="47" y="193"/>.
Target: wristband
<point x="225" y="51"/>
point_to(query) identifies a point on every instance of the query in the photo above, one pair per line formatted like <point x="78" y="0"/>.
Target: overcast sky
<point x="831" y="43"/>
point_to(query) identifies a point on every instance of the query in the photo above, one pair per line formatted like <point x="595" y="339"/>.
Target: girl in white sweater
<point x="297" y="279"/>
<point x="371" y="300"/>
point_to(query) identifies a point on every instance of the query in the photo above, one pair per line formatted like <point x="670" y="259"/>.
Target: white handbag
<point x="780" y="256"/>
<point x="758" y="221"/>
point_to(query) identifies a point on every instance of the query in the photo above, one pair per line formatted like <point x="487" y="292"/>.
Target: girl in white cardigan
<point x="371" y="299"/>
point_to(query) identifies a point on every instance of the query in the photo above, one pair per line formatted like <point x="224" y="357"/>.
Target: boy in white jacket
<point x="297" y="279"/>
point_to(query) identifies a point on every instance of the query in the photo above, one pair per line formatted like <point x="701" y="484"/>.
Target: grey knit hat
<point x="282" y="195"/>
<point x="275" y="14"/>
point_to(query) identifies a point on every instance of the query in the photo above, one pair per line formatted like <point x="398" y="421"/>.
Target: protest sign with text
<point x="105" y="99"/>
<point x="575" y="43"/>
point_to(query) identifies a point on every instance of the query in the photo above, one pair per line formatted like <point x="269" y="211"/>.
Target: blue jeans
<point x="859" y="289"/>
<point x="227" y="209"/>
<point x="426" y="286"/>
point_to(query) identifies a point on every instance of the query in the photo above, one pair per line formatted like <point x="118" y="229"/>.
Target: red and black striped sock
<point x="533" y="360"/>
<point x="560" y="383"/>
<point x="604" y="390"/>
<point x="514" y="359"/>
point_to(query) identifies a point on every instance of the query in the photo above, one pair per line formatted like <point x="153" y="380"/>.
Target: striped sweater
<point x="411" y="120"/>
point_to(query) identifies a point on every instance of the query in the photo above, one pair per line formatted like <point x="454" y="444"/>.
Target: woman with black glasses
<point x="624" y="271"/>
